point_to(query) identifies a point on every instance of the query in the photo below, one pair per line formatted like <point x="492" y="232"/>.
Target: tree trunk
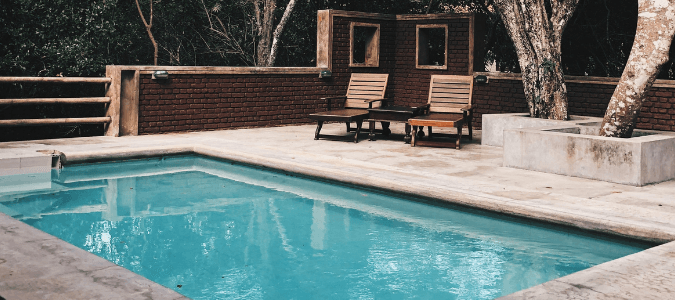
<point x="537" y="34"/>
<point x="264" y="10"/>
<point x="654" y="34"/>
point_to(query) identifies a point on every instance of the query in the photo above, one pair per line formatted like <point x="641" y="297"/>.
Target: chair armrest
<point x="424" y="108"/>
<point x="335" y="97"/>
<point x="370" y="102"/>
<point x="467" y="108"/>
<point x="329" y="100"/>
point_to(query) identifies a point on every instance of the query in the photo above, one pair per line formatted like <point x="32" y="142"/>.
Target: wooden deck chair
<point x="364" y="91"/>
<point x="449" y="106"/>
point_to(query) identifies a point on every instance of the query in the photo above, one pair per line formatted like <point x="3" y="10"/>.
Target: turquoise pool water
<point x="215" y="230"/>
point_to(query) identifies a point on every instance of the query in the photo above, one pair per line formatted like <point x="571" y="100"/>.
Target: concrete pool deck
<point x="472" y="176"/>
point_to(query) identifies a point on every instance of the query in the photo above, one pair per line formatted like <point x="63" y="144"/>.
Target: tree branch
<point x="278" y="31"/>
<point x="148" y="28"/>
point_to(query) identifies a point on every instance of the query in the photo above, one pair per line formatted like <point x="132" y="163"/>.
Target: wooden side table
<point x="438" y="120"/>
<point x="388" y="114"/>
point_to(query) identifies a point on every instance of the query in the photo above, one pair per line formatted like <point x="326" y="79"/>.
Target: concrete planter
<point x="573" y="148"/>
<point x="494" y="125"/>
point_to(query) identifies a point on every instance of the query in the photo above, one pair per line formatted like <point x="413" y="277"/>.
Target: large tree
<point x="536" y="28"/>
<point x="654" y="34"/>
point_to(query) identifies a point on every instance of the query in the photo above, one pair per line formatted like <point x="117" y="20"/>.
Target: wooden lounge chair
<point x="449" y="106"/>
<point x="364" y="91"/>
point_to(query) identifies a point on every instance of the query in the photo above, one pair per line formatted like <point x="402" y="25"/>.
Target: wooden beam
<point x="55" y="121"/>
<point x="56" y="79"/>
<point x="55" y="100"/>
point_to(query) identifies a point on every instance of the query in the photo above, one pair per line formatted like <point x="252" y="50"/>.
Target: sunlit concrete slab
<point x="473" y="176"/>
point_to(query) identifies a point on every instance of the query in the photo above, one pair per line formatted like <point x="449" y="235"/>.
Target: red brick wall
<point x="410" y="85"/>
<point x="586" y="99"/>
<point x="208" y="102"/>
<point x="340" y="55"/>
<point x="497" y="96"/>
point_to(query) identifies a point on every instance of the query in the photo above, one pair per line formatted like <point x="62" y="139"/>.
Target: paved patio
<point x="472" y="176"/>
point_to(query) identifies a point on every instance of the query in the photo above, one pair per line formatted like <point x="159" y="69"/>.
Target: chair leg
<point x="349" y="127"/>
<point x="470" y="129"/>
<point x="318" y="129"/>
<point x="430" y="132"/>
<point x="459" y="137"/>
<point x="358" y="130"/>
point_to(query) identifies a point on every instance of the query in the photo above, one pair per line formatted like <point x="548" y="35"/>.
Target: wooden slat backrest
<point x="365" y="86"/>
<point x="450" y="93"/>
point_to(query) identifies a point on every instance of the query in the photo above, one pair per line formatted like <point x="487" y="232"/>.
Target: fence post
<point x="129" y="95"/>
<point x="113" y="91"/>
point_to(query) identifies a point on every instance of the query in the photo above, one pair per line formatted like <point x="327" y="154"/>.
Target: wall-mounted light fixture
<point x="481" y="79"/>
<point x="160" y="75"/>
<point x="325" y="74"/>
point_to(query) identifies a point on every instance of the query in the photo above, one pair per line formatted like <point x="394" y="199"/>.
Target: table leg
<point x="371" y="135"/>
<point x="414" y="135"/>
<point x="407" y="137"/>
<point x="385" y="128"/>
<point x="358" y="130"/>
<point x="420" y="133"/>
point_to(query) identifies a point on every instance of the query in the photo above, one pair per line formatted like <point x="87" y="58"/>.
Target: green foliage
<point x="71" y="38"/>
<point x="78" y="37"/>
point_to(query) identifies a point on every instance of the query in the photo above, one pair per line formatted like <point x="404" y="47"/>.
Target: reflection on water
<point x="212" y="230"/>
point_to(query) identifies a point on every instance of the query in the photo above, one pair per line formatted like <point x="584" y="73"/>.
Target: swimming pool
<point x="211" y="229"/>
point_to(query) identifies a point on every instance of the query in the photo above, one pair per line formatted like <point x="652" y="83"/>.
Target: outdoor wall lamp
<point x="481" y="79"/>
<point x="160" y="75"/>
<point x="325" y="74"/>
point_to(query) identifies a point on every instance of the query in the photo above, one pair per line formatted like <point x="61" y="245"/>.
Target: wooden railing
<point x="58" y="121"/>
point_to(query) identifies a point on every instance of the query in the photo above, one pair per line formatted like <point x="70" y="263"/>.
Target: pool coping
<point x="561" y="288"/>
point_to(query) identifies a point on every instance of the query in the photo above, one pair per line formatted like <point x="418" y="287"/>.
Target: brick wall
<point x="189" y="102"/>
<point x="585" y="98"/>
<point x="497" y="96"/>
<point x="409" y="84"/>
<point x="209" y="102"/>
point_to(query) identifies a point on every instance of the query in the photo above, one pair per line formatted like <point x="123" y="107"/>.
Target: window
<point x="364" y="45"/>
<point x="432" y="45"/>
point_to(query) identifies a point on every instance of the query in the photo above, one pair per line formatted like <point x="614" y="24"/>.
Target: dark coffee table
<point x="388" y="114"/>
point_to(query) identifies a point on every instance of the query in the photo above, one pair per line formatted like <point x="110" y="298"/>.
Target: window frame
<point x="372" y="51"/>
<point x="417" y="47"/>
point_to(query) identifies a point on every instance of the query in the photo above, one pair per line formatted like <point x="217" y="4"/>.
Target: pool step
<point x="26" y="164"/>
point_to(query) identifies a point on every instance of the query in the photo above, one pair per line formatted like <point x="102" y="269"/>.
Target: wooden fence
<point x="106" y="120"/>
